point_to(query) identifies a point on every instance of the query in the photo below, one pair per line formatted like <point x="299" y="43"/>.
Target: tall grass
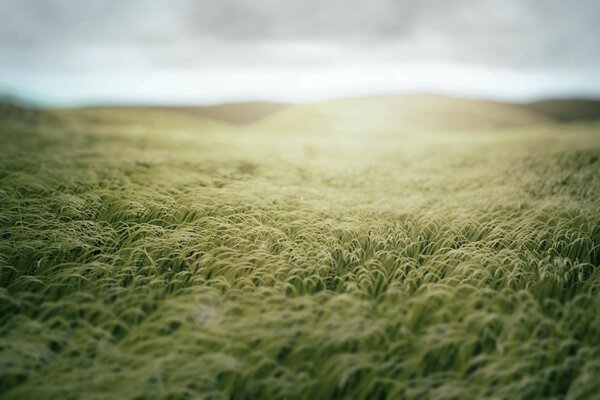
<point x="170" y="260"/>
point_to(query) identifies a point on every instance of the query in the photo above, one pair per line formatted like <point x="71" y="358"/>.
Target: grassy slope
<point x="349" y="249"/>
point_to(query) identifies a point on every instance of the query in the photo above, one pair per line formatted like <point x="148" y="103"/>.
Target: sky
<point x="73" y="52"/>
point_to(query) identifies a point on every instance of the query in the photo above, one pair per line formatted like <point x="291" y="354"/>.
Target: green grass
<point x="315" y="253"/>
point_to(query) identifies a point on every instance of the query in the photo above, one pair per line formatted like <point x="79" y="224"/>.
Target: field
<point x="406" y="247"/>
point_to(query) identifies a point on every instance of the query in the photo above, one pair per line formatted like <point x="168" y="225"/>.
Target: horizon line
<point x="28" y="101"/>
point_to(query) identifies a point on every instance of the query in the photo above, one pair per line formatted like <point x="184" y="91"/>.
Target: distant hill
<point x="417" y="111"/>
<point x="383" y="114"/>
<point x="567" y="110"/>
<point x="402" y="113"/>
<point x="233" y="113"/>
<point x="22" y="113"/>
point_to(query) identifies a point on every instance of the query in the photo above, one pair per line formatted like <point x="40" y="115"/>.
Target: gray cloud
<point x="90" y="36"/>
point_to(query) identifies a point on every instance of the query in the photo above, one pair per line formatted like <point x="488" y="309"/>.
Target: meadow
<point x="408" y="247"/>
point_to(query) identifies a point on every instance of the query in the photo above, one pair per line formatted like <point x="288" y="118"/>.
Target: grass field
<point x="394" y="247"/>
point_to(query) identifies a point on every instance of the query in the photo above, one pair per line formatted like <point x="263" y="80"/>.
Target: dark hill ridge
<point x="567" y="110"/>
<point x="15" y="111"/>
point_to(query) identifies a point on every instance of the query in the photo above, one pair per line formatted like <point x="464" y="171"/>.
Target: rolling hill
<point x="391" y="113"/>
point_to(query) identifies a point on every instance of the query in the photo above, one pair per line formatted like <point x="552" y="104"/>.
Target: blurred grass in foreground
<point x="402" y="248"/>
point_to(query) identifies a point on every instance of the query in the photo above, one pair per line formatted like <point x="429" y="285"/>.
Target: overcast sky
<point x="85" y="51"/>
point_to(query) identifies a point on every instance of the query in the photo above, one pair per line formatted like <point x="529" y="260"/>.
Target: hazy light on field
<point x="210" y="51"/>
